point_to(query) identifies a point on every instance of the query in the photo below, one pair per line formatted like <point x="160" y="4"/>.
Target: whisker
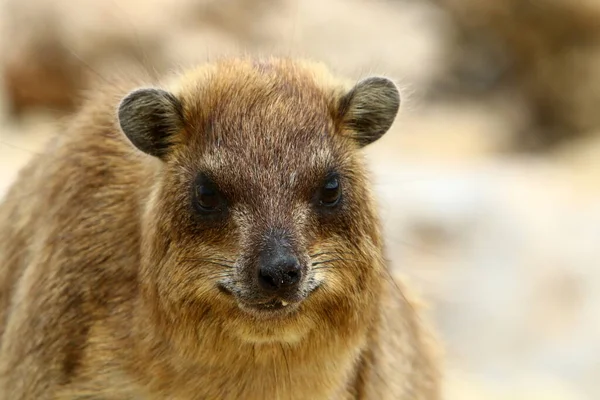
<point x="323" y="268"/>
<point x="232" y="262"/>
<point x="218" y="274"/>
<point x="208" y="261"/>
<point x="3" y="143"/>
<point x="338" y="252"/>
<point x="332" y="260"/>
<point x="212" y="259"/>
<point x="325" y="261"/>
<point x="85" y="64"/>
<point x="219" y="264"/>
<point x="399" y="291"/>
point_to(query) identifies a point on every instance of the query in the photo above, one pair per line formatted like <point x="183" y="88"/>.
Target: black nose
<point x="278" y="276"/>
<point x="279" y="269"/>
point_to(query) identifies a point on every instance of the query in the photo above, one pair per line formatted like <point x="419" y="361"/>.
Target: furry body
<point x="109" y="280"/>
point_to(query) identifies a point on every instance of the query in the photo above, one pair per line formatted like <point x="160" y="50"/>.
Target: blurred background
<point x="489" y="181"/>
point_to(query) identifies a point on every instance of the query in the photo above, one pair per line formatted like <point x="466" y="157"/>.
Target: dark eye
<point x="331" y="192"/>
<point x="207" y="198"/>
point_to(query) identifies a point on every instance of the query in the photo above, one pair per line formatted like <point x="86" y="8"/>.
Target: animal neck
<point x="211" y="359"/>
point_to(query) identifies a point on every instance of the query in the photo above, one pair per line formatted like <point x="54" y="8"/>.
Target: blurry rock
<point x="510" y="271"/>
<point x="52" y="48"/>
<point x="41" y="73"/>
<point x="356" y="37"/>
<point x="95" y="38"/>
<point x="546" y="51"/>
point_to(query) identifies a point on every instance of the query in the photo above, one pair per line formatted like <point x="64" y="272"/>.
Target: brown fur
<point x="108" y="280"/>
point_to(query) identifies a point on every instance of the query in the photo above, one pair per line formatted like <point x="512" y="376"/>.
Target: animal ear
<point x="151" y="119"/>
<point x="369" y="109"/>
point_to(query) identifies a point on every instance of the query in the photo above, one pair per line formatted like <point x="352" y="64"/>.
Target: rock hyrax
<point x="211" y="236"/>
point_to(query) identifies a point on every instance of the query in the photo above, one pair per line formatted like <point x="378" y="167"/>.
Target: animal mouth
<point x="272" y="306"/>
<point x="275" y="304"/>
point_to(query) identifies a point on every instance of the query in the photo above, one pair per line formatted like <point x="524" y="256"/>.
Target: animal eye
<point x="207" y="199"/>
<point x="331" y="192"/>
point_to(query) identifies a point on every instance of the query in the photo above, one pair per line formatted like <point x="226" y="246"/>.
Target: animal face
<point x="261" y="212"/>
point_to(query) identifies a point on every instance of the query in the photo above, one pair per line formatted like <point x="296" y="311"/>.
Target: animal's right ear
<point x="151" y="118"/>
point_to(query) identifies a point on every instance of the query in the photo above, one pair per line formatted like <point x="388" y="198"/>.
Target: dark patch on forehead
<point x="275" y="108"/>
<point x="266" y="130"/>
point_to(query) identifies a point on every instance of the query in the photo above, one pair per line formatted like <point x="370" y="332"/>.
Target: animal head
<point x="261" y="219"/>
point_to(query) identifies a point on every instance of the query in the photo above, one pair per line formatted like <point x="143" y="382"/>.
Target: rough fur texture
<point x="109" y="279"/>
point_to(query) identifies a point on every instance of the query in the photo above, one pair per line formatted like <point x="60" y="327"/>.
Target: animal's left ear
<point x="369" y="109"/>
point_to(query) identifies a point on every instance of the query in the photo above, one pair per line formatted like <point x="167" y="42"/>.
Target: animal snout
<point x="279" y="269"/>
